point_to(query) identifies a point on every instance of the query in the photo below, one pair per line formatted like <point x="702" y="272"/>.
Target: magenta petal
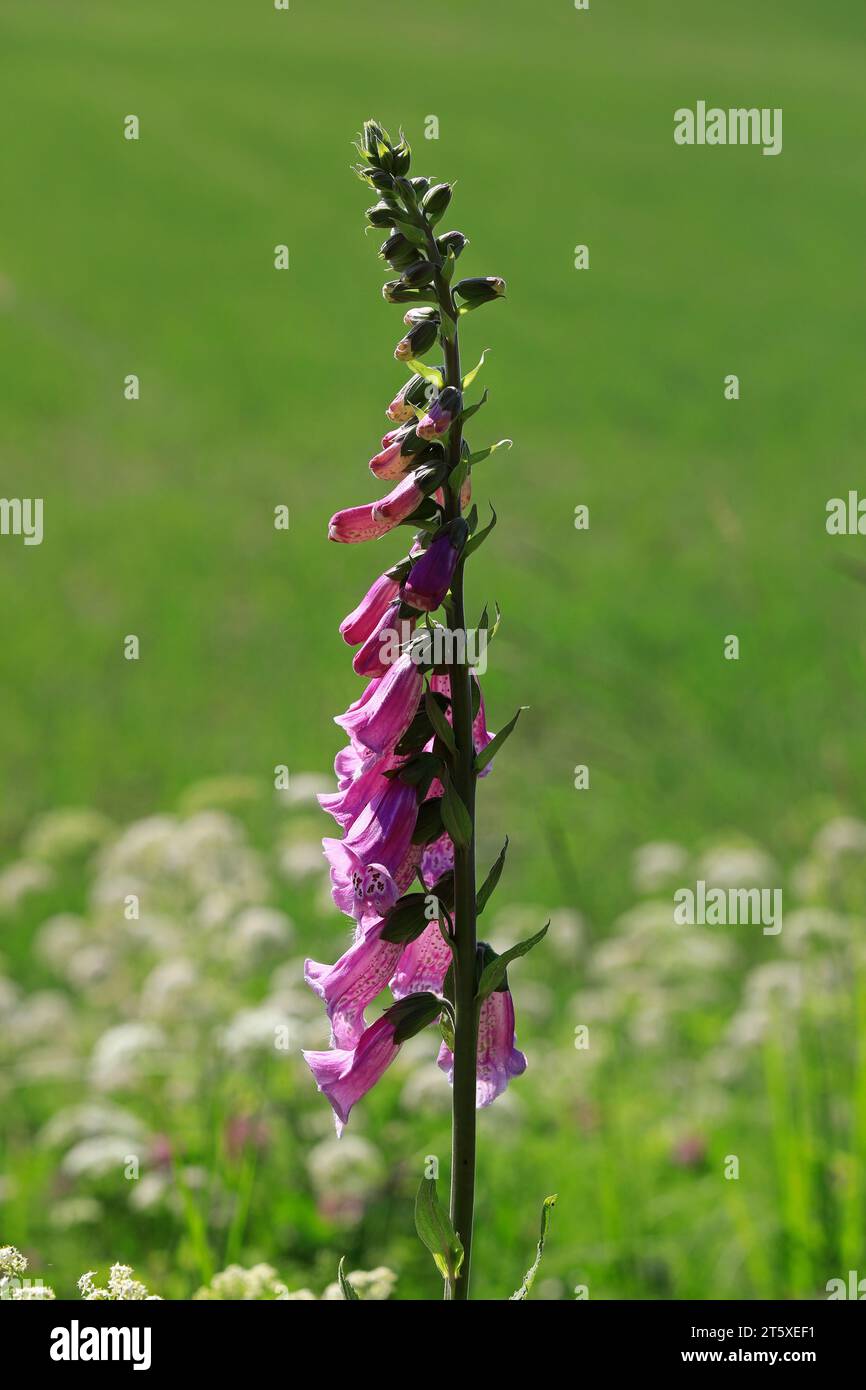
<point x="381" y="835"/>
<point x="353" y="982"/>
<point x="344" y="1075"/>
<point x="423" y="964"/>
<point x="380" y="722"/>
<point x="383" y="647"/>
<point x="400" y="503"/>
<point x="355" y="524"/>
<point x="357" y="625"/>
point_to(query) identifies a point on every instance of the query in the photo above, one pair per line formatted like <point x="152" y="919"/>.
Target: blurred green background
<point x="261" y="387"/>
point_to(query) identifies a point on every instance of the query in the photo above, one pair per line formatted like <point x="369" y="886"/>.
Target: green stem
<point x="466" y="1023"/>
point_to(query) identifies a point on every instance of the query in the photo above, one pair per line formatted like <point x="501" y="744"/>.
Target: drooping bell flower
<point x="430" y="577"/>
<point x="347" y="987"/>
<point x="344" y="1075"/>
<point x="384" y="645"/>
<point x="498" y="1057"/>
<point x="382" y="720"/>
<point x="381" y="835"/>
<point x="357" y="625"/>
<point x="440" y="413"/>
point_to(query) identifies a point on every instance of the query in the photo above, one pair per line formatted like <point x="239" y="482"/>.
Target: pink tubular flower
<point x="430" y="577"/>
<point x="381" y="836"/>
<point x="353" y="982"/>
<point x="357" y="625"/>
<point x="344" y="1075"/>
<point x="394" y="459"/>
<point x="400" y="502"/>
<point x="382" y="720"/>
<point x="355" y="524"/>
<point x="383" y="647"/>
<point x="498" y="1058"/>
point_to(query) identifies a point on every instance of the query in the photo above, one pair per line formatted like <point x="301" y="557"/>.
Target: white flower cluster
<point x="121" y="1287"/>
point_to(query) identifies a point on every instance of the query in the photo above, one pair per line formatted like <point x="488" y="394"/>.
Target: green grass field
<point x="261" y="387"/>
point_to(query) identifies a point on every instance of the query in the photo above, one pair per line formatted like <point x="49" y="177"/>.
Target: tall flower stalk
<point x="418" y="740"/>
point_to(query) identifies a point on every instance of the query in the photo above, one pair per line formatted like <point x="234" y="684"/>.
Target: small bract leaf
<point x="529" y="1276"/>
<point x="470" y="376"/>
<point x="488" y="886"/>
<point x="493" y="974"/>
<point x="346" y="1288"/>
<point x="433" y="1225"/>
<point x="455" y="816"/>
<point x="489" y="752"/>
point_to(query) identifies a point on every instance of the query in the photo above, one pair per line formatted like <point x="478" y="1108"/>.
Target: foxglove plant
<point x="418" y="740"/>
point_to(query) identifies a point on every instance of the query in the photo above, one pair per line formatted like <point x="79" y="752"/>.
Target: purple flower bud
<point x="440" y="413"/>
<point x="430" y="577"/>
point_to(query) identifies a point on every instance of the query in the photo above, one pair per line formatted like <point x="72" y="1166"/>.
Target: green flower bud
<point x="420" y="185"/>
<point x="379" y="178"/>
<point x="418" y="340"/>
<point x="395" y="292"/>
<point x="435" y="201"/>
<point x="481" y="289"/>
<point x="451" y="244"/>
<point x="418" y="274"/>
<point x="421" y="312"/>
<point x="374" y="143"/>
<point x="398" y="251"/>
<point x="382" y="215"/>
<point x="402" y="156"/>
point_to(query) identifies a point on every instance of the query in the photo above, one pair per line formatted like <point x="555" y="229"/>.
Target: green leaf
<point x="428" y="373"/>
<point x="494" y="973"/>
<point x="529" y="1276"/>
<point x="487" y="888"/>
<point x="433" y="1225"/>
<point x="470" y="376"/>
<point x="437" y="718"/>
<point x="429" y="823"/>
<point x="455" y="816"/>
<point x="347" y="1290"/>
<point x="473" y="409"/>
<point x="491" y="449"/>
<point x="489" y="753"/>
<point x="480" y="536"/>
<point x="408" y="918"/>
